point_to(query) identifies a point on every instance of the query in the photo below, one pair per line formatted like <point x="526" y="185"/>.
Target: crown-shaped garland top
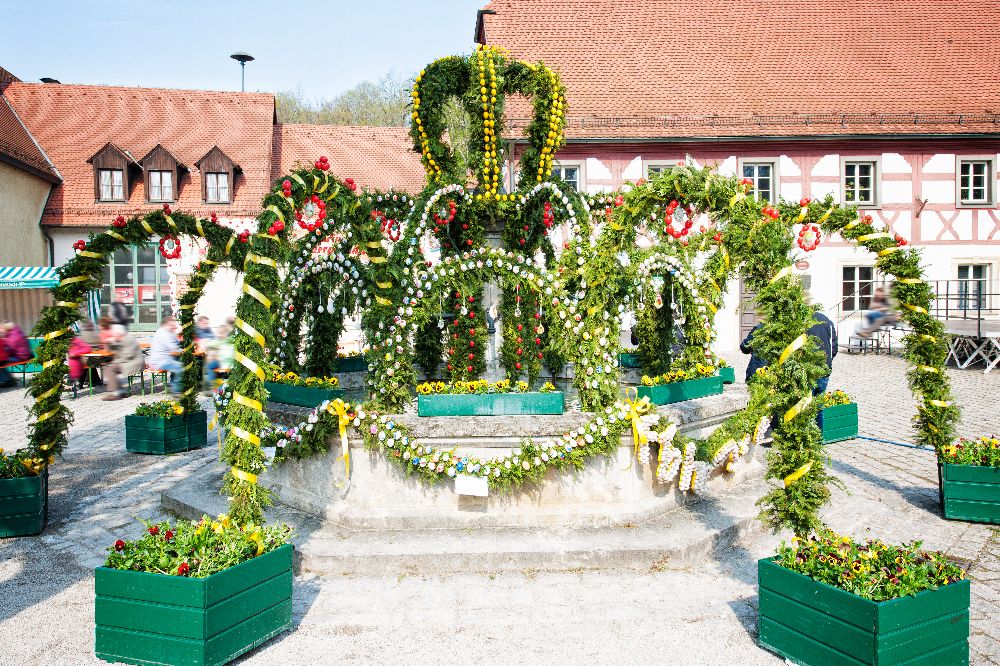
<point x="481" y="82"/>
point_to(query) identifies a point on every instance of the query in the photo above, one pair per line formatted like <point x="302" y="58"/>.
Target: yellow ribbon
<point x="277" y="211"/>
<point x="910" y="280"/>
<point x="326" y="184"/>
<point x="930" y="338"/>
<point x="298" y="179"/>
<point x="887" y="251"/>
<point x="251" y="331"/>
<point x="383" y="285"/>
<point x="197" y="225"/>
<point x="243" y="434"/>
<point x="189" y="306"/>
<point x="713" y="283"/>
<point x="48" y="415"/>
<point x="784" y="272"/>
<point x="377" y="260"/>
<point x="826" y="215"/>
<point x="383" y="301"/>
<point x="250" y="365"/>
<point x="244" y="476"/>
<point x="927" y="368"/>
<point x="247" y="402"/>
<point x="229" y="245"/>
<point x="50" y="363"/>
<point x="260" y="259"/>
<point x="115" y="235"/>
<point x="46" y="447"/>
<point x="170" y="221"/>
<point x="52" y="391"/>
<point x="711" y="307"/>
<point x="636" y="409"/>
<point x="791" y="349"/>
<point x="340" y="407"/>
<point x="797" y="408"/>
<point x="210" y="262"/>
<point x="374" y="244"/>
<point x="261" y="298"/>
<point x="939" y="403"/>
<point x="725" y="256"/>
<point x="55" y="334"/>
<point x="256" y="538"/>
<point x="186" y="324"/>
<point x="868" y="237"/>
<point x="797" y="474"/>
<point x="67" y="304"/>
<point x="145" y="225"/>
<point x="78" y="278"/>
<point x="915" y="308"/>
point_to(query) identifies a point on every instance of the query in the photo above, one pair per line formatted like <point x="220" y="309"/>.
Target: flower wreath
<point x="175" y="247"/>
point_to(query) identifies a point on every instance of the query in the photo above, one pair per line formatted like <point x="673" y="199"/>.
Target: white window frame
<point x="878" y="280"/>
<point x="158" y="173"/>
<point x="991" y="181"/>
<point x="209" y="187"/>
<point x="992" y="278"/>
<point x="775" y="176"/>
<point x="581" y="172"/>
<point x="111" y="184"/>
<point x="662" y="165"/>
<point x="876" y="162"/>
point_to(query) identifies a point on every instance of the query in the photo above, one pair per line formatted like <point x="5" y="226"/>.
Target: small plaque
<point x="471" y="485"/>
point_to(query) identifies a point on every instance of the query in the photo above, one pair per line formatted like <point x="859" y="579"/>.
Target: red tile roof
<point x="375" y="157"/>
<point x="73" y="122"/>
<point x="692" y="68"/>
<point x="18" y="149"/>
<point x="6" y="78"/>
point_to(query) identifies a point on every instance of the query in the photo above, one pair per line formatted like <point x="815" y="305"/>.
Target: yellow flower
<point x="178" y="409"/>
<point x="216" y="527"/>
<point x="224" y="520"/>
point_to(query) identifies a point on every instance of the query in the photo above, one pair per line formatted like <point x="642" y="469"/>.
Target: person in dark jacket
<point x="756" y="362"/>
<point x="119" y="313"/>
<point x="825" y="333"/>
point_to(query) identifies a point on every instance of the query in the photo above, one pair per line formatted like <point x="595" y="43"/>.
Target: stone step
<point x="677" y="539"/>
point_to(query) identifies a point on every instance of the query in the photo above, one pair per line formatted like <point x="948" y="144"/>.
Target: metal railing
<point x="965" y="304"/>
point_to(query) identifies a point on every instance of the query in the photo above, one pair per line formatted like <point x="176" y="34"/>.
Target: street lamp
<point x="243" y="59"/>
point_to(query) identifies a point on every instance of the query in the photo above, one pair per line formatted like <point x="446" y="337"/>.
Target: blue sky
<point x="322" y="47"/>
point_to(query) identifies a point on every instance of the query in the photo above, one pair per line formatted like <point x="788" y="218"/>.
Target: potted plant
<point x="681" y="384"/>
<point x="354" y="362"/>
<point x="727" y="373"/>
<point x="291" y="389"/>
<point x="200" y="592"/>
<point x="840" y="416"/>
<point x="829" y="600"/>
<point x="970" y="480"/>
<point x="163" y="427"/>
<point x="482" y="398"/>
<point x="24" y="495"/>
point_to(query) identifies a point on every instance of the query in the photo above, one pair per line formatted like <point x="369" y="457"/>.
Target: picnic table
<point x="973" y="341"/>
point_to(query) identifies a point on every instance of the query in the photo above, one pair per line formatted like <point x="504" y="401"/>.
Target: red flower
<point x="119" y="545"/>
<point x="169" y="535"/>
<point x="154" y="530"/>
<point x="80" y="245"/>
<point x="183" y="568"/>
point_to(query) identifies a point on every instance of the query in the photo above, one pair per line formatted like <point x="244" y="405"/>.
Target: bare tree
<point x="381" y="103"/>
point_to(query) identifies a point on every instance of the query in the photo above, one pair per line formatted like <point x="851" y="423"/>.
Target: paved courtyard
<point x="705" y="614"/>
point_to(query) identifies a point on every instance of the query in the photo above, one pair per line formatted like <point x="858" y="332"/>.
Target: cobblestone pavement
<point x="703" y="615"/>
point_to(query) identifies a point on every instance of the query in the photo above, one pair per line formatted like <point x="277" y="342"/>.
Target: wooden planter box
<point x="301" y="396"/>
<point x="840" y="422"/>
<point x="24" y="505"/>
<point x="971" y="492"/>
<point x="728" y="375"/>
<point x="665" y="394"/>
<point x="490" y="404"/>
<point x="352" y="364"/>
<point x="627" y="360"/>
<point x="146" y="618"/>
<point x="146" y="434"/>
<point x="808" y="622"/>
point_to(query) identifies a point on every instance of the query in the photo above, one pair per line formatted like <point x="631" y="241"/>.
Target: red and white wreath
<point x="809" y="237"/>
<point x="170" y="247"/>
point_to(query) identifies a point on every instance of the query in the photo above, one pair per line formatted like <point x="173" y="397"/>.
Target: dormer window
<point x="163" y="172"/>
<point x="113" y="172"/>
<point x="218" y="174"/>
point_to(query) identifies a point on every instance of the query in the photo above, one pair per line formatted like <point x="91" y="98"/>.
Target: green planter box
<point x="840" y="422"/>
<point x="301" y="396"/>
<point x="490" y="404"/>
<point x="665" y="394"/>
<point x="626" y="360"/>
<point x="145" y="618"/>
<point x="352" y="364"/>
<point x="24" y="505"/>
<point x="808" y="622"/>
<point x="146" y="434"/>
<point x="728" y="375"/>
<point x="971" y="492"/>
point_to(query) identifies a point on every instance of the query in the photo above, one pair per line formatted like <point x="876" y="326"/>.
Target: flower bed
<point x="840" y="417"/>
<point x="163" y="427"/>
<point x="970" y="480"/>
<point x="290" y="389"/>
<point x="24" y="497"/>
<point x="202" y="593"/>
<point x="680" y="390"/>
<point x="831" y="600"/>
<point x="482" y="398"/>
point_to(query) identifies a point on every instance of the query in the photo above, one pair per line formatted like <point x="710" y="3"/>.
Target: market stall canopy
<point x="28" y="277"/>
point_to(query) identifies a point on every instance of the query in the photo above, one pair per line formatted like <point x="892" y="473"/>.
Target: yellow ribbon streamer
<point x="229" y="245"/>
<point x="929" y="338"/>
<point x="326" y="183"/>
<point x="377" y="260"/>
<point x="170" y="221"/>
<point x="48" y="415"/>
<point x="792" y="348"/>
<point x="916" y="308"/>
<point x="189" y="306"/>
<point x="374" y="244"/>
<point x="71" y="280"/>
<point x="67" y="304"/>
<point x="784" y="272"/>
<point x="383" y="285"/>
<point x="51" y="392"/>
<point x="251" y="331"/>
<point x="887" y="251"/>
<point x="244" y="476"/>
<point x="145" y="225"/>
<point x="725" y="256"/>
<point x="927" y="368"/>
<point x="340" y="407"/>
<point x="114" y="234"/>
<point x="797" y="474"/>
<point x="636" y="409"/>
<point x="261" y="298"/>
<point x="298" y="179"/>
<point x="797" y="408"/>
<point x="826" y="215"/>
<point x="243" y="434"/>
<point x="197" y="225"/>
<point x="249" y="364"/>
<point x="874" y="236"/>
<point x="210" y="262"/>
<point x="55" y="334"/>
<point x="260" y="259"/>
<point x="50" y="363"/>
<point x="247" y="402"/>
<point x="910" y="280"/>
<point x="383" y="301"/>
<point x="939" y="403"/>
<point x="277" y="211"/>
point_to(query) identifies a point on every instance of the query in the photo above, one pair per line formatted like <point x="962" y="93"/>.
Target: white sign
<point x="471" y="485"/>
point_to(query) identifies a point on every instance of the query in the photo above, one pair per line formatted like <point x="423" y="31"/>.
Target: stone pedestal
<point x="611" y="490"/>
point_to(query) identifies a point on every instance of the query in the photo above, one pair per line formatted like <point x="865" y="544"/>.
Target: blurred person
<point x="128" y="361"/>
<point x="164" y="353"/>
<point x="203" y="329"/>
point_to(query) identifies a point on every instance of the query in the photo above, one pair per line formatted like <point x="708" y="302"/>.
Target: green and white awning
<point x="28" y="277"/>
